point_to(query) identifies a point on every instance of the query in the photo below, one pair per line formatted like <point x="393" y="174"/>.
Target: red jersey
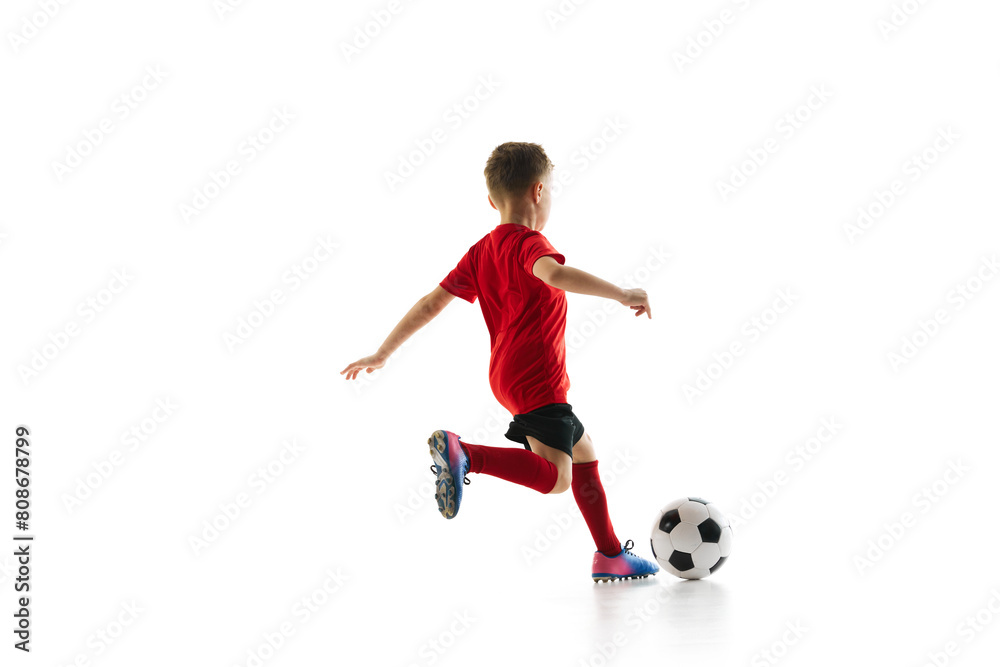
<point x="525" y="316"/>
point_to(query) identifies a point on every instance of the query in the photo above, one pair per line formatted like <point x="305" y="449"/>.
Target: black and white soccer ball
<point x="691" y="538"/>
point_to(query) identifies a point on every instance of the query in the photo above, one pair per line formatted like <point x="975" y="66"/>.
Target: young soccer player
<point x="521" y="281"/>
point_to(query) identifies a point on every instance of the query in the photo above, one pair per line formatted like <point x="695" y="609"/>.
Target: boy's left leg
<point x="591" y="499"/>
<point x="612" y="560"/>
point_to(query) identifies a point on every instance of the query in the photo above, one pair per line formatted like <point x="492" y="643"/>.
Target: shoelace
<point x="627" y="548"/>
<point x="436" y="469"/>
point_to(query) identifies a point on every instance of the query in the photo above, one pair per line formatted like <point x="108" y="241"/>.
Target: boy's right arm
<point x="567" y="278"/>
<point x="422" y="312"/>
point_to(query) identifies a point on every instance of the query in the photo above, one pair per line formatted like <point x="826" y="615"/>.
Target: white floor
<point x="789" y="594"/>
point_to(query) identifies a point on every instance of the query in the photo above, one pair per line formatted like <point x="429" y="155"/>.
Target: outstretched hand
<point x="370" y="364"/>
<point x="637" y="300"/>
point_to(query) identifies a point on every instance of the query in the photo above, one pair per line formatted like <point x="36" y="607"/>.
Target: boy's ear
<point x="490" y="200"/>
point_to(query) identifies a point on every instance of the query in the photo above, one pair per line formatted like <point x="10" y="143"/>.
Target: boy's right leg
<point x="454" y="458"/>
<point x="560" y="459"/>
<point x="531" y="469"/>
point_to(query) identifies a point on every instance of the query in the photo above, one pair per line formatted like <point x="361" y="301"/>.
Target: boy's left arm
<point x="422" y="312"/>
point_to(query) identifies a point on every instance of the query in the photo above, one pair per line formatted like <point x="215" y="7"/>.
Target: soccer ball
<point x="691" y="538"/>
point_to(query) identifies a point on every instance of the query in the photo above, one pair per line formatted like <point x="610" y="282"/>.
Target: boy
<point x="521" y="281"/>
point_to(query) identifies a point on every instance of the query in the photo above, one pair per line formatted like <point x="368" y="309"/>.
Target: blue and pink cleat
<point x="625" y="565"/>
<point x="450" y="464"/>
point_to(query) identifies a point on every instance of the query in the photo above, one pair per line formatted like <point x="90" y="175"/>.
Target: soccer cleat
<point x="626" y="565"/>
<point x="450" y="463"/>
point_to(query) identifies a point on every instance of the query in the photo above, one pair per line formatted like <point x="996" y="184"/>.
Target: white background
<point x="356" y="500"/>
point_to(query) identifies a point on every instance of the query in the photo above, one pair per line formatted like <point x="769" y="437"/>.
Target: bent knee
<point x="563" y="482"/>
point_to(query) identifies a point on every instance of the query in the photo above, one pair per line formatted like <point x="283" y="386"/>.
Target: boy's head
<point x="517" y="177"/>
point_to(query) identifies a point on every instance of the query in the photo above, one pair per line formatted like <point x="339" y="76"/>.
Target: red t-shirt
<point x="526" y="317"/>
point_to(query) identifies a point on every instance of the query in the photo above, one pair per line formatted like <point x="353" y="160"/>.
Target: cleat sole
<point x="445" y="495"/>
<point x="607" y="579"/>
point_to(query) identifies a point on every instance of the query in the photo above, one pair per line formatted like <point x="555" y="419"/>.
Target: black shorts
<point x="554" y="425"/>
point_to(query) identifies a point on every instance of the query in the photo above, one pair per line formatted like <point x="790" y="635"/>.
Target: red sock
<point x="589" y="494"/>
<point x="514" y="465"/>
